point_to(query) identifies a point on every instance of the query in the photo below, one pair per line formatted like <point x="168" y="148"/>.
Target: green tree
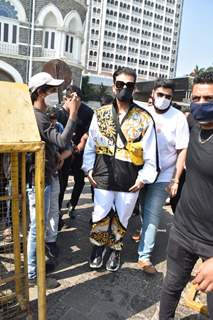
<point x="87" y="89"/>
<point x="101" y="91"/>
<point x="197" y="71"/>
<point x="209" y="69"/>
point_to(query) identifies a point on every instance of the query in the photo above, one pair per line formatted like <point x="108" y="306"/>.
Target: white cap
<point x="41" y="79"/>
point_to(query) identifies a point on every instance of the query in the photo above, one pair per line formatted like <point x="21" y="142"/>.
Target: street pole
<point x="32" y="29"/>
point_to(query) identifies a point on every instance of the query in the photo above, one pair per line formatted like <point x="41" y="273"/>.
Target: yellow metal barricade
<point x="18" y="136"/>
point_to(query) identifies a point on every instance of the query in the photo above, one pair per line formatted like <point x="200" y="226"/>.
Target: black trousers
<point x="78" y="175"/>
<point x="174" y="200"/>
<point x="183" y="253"/>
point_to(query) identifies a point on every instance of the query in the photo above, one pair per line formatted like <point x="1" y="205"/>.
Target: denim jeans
<point x="183" y="253"/>
<point x="151" y="198"/>
<point x="51" y="214"/>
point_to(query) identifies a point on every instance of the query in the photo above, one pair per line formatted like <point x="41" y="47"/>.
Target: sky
<point x="196" y="38"/>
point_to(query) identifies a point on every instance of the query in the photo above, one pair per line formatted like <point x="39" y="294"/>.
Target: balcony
<point x="121" y="50"/>
<point x="94" y="36"/>
<point x="96" y="15"/>
<point x="49" y="53"/>
<point x="125" y="20"/>
<point x="122" y="30"/>
<point x="8" y="48"/>
<point x="105" y="69"/>
<point x="109" y="48"/>
<point x="107" y="59"/>
<point x="93" y="47"/>
<point x="92" y="68"/>
<point x="124" y="10"/>
<point x="108" y="27"/>
<point x="111" y="17"/>
<point x="154" y="59"/>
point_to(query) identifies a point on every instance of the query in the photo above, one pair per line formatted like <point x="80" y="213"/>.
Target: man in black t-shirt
<point x="192" y="235"/>
<point x="72" y="165"/>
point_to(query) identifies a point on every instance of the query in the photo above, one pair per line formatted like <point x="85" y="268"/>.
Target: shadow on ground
<point x="90" y="295"/>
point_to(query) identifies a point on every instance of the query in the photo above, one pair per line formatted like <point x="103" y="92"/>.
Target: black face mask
<point x="202" y="112"/>
<point x="124" y="95"/>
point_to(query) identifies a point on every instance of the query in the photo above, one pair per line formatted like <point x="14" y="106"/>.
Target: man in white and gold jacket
<point x="120" y="157"/>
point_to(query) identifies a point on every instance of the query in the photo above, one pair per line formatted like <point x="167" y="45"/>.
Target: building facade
<point x="141" y="34"/>
<point x="57" y="28"/>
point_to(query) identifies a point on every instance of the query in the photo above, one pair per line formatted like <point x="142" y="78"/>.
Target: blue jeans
<point x="51" y="230"/>
<point x="51" y="212"/>
<point x="32" y="233"/>
<point x="151" y="198"/>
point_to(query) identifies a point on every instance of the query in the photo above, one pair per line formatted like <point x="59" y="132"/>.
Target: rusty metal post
<point x="24" y="227"/>
<point x="40" y="247"/>
<point x="15" y="223"/>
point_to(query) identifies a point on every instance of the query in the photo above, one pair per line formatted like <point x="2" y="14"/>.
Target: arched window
<point x="10" y="14"/>
<point x="50" y="24"/>
<point x="9" y="73"/>
<point x="73" y="32"/>
<point x="50" y="18"/>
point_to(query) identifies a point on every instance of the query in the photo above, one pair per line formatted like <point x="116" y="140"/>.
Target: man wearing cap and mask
<point x="172" y="136"/>
<point x="72" y="165"/>
<point x="192" y="235"/>
<point x="119" y="158"/>
<point x="41" y="85"/>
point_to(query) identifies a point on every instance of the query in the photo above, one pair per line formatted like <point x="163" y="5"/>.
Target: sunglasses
<point x="121" y="84"/>
<point x="167" y="96"/>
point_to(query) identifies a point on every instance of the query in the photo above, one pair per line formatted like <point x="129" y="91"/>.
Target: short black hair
<point x="71" y="89"/>
<point x="124" y="70"/>
<point x="43" y="89"/>
<point x="164" y="83"/>
<point x="106" y="99"/>
<point x="52" y="113"/>
<point x="204" y="77"/>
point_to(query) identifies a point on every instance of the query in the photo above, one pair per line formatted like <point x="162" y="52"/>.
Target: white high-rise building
<point x="141" y="34"/>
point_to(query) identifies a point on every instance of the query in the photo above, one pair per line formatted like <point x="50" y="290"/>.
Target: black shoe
<point x="50" y="266"/>
<point x="51" y="283"/>
<point x="32" y="282"/>
<point x="114" y="261"/>
<point x="71" y="210"/>
<point x="97" y="257"/>
<point x="52" y="250"/>
<point x="60" y="223"/>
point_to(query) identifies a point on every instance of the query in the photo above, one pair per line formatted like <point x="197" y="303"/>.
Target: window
<point x="6" y="29"/>
<point x="14" y="36"/>
<point x="49" y="40"/>
<point x="8" y="32"/>
<point x="46" y="39"/>
<point x="9" y="28"/>
<point x="69" y="44"/>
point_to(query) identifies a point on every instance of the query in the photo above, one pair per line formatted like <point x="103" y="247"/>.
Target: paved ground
<point x="90" y="295"/>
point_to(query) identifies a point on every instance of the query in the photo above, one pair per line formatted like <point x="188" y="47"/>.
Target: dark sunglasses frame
<point x="121" y="84"/>
<point x="161" y="94"/>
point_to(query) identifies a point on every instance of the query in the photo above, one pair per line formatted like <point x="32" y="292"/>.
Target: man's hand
<point x="172" y="188"/>
<point x="73" y="104"/>
<point x="91" y="180"/>
<point x="60" y="160"/>
<point x="137" y="186"/>
<point x="204" y="276"/>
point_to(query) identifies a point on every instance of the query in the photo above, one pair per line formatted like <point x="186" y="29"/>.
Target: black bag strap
<point x="118" y="126"/>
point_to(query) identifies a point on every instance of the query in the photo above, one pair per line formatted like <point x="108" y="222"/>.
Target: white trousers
<point x="122" y="202"/>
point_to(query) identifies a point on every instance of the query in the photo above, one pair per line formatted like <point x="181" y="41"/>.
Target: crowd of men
<point x="130" y="153"/>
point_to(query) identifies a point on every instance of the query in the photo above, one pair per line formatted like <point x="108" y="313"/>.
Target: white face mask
<point x="162" y="103"/>
<point x="51" y="100"/>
